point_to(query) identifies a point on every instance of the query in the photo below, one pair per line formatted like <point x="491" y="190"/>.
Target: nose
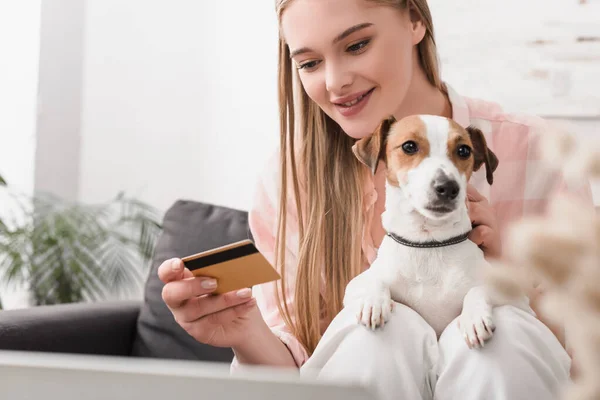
<point x="447" y="190"/>
<point x="337" y="78"/>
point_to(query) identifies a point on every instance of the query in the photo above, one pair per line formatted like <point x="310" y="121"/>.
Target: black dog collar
<point x="431" y="244"/>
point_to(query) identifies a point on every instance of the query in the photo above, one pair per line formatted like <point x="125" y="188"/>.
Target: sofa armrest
<point x="105" y="328"/>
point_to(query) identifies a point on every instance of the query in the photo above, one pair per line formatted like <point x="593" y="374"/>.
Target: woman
<point x="358" y="61"/>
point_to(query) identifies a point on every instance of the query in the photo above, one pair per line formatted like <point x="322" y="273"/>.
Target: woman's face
<point x="355" y="58"/>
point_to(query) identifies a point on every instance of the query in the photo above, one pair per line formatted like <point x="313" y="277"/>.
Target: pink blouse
<point x="522" y="186"/>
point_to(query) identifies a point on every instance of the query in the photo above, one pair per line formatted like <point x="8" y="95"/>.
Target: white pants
<point x="404" y="360"/>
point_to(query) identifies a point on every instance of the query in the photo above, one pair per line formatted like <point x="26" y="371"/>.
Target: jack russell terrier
<point x="425" y="261"/>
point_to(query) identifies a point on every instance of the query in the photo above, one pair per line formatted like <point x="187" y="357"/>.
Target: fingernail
<point x="244" y="293"/>
<point x="209" y="284"/>
<point x="175" y="265"/>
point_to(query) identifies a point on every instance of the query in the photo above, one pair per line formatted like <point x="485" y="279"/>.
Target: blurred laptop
<point x="49" y="376"/>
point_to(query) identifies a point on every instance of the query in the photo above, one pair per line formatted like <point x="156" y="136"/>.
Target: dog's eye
<point x="464" y="151"/>
<point x="410" y="147"/>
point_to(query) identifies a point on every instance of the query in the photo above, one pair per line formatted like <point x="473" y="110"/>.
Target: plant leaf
<point x="67" y="251"/>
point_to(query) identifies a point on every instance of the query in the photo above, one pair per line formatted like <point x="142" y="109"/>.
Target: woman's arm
<point x="265" y="348"/>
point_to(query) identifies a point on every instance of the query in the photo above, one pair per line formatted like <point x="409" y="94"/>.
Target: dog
<point x="426" y="261"/>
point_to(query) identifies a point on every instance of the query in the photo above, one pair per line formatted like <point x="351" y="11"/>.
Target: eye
<point x="410" y="147"/>
<point x="358" y="47"/>
<point x="308" y="66"/>
<point x="463" y="151"/>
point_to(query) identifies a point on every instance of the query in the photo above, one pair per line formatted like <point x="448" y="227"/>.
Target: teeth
<point x="353" y="102"/>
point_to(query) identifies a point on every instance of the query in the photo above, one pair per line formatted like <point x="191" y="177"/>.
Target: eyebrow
<point x="337" y="39"/>
<point x="458" y="139"/>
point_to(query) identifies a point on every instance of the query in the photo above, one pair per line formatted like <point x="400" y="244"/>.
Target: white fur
<point x="439" y="283"/>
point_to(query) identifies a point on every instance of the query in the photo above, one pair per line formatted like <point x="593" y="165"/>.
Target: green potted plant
<point x="66" y="252"/>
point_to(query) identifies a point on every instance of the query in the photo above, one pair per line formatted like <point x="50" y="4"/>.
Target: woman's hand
<point x="226" y="320"/>
<point x="485" y="232"/>
<point x="218" y="320"/>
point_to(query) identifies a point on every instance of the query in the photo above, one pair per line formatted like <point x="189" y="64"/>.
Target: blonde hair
<point x="330" y="216"/>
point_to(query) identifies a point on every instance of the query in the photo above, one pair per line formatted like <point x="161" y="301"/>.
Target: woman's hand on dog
<point x="219" y="320"/>
<point x="485" y="231"/>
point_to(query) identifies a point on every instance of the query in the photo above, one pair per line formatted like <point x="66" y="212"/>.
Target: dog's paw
<point x="476" y="325"/>
<point x="374" y="310"/>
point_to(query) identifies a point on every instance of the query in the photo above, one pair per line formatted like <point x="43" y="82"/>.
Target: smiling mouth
<point x="355" y="101"/>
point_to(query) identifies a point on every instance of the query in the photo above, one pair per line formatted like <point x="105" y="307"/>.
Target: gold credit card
<point x="235" y="266"/>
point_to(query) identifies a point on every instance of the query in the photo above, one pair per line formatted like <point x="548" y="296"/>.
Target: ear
<point x="483" y="154"/>
<point x="418" y="28"/>
<point x="369" y="150"/>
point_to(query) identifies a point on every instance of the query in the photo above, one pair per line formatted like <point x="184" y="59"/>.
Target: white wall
<point x="19" y="47"/>
<point x="179" y="99"/>
<point x="59" y="109"/>
<point x="527" y="55"/>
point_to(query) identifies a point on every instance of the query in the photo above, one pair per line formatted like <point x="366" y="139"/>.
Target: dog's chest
<point x="433" y="282"/>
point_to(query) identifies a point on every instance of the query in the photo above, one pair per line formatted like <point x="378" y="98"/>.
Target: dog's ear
<point x="483" y="154"/>
<point x="369" y="150"/>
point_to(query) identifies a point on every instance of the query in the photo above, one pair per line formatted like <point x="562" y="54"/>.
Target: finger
<point x="173" y="270"/>
<point x="481" y="215"/>
<point x="202" y="306"/>
<point x="203" y="329"/>
<point x="175" y="293"/>
<point x="476" y="236"/>
<point x="480" y="235"/>
<point x="473" y="195"/>
<point x="229" y="314"/>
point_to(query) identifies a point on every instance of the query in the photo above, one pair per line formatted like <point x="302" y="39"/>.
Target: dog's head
<point x="429" y="158"/>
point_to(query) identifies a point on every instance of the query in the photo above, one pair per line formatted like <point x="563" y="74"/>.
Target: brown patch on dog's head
<point x="410" y="132"/>
<point x="403" y="145"/>
<point x="482" y="154"/>
<point x="388" y="143"/>
<point x="458" y="139"/>
<point x="369" y="150"/>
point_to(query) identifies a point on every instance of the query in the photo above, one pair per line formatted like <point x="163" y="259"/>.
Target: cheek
<point x="416" y="185"/>
<point x="314" y="87"/>
<point x="404" y="170"/>
<point x="420" y="177"/>
<point x="394" y="75"/>
<point x="398" y="177"/>
<point x="465" y="168"/>
<point x="400" y="62"/>
<point x="391" y="70"/>
<point x="375" y="65"/>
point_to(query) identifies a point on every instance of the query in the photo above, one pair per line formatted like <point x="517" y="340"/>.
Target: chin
<point x="356" y="129"/>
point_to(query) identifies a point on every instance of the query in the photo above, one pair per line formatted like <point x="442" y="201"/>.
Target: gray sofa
<point x="129" y="328"/>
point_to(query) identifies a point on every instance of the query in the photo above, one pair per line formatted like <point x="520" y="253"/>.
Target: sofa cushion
<point x="188" y="227"/>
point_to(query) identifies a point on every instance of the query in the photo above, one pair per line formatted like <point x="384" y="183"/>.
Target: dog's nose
<point x="447" y="190"/>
